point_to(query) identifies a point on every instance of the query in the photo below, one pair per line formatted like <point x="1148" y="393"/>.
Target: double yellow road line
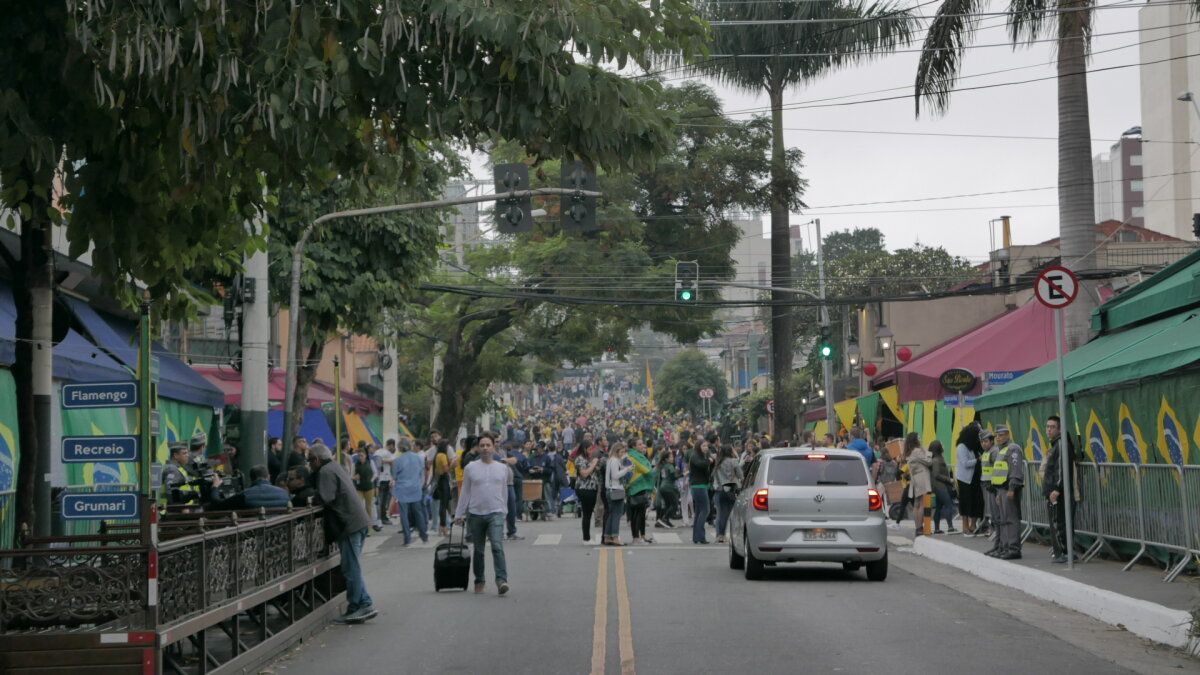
<point x="624" y="624"/>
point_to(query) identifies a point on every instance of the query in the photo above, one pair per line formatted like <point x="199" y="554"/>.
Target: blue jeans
<point x="511" y="519"/>
<point x="725" y="502"/>
<point x="612" y="520"/>
<point x="412" y="514"/>
<point x="701" y="506"/>
<point x="491" y="527"/>
<point x="356" y="591"/>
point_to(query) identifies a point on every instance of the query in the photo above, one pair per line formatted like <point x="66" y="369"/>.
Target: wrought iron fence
<point x="1147" y="506"/>
<point x="82" y="582"/>
<point x="203" y="570"/>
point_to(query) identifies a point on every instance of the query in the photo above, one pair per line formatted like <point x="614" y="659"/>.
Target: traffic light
<point x="578" y="211"/>
<point x="825" y="344"/>
<point x="513" y="214"/>
<point x="687" y="281"/>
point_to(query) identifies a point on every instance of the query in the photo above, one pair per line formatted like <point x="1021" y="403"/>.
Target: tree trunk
<point x="782" y="340"/>
<point x="461" y="369"/>
<point x="305" y="374"/>
<point x="1076" y="192"/>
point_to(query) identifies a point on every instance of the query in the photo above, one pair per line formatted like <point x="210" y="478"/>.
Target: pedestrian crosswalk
<point x="387" y="544"/>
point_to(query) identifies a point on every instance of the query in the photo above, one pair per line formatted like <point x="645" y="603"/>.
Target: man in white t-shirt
<point x="383" y="493"/>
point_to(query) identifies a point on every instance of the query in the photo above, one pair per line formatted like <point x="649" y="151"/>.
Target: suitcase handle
<point x="462" y="541"/>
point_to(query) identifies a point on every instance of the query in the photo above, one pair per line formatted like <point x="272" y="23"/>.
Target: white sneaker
<point x="893" y="526"/>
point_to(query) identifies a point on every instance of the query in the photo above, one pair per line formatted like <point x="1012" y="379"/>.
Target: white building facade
<point x="1170" y="127"/>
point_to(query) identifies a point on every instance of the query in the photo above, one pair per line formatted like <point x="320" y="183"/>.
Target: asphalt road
<point x="678" y="608"/>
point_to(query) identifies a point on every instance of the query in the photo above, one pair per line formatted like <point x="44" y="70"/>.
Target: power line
<point x="809" y="105"/>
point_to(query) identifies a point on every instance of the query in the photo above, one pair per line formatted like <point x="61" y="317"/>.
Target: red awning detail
<point x="1022" y="339"/>
<point x="229" y="381"/>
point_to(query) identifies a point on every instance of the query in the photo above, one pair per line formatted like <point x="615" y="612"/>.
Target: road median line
<point x="598" y="632"/>
<point x="624" y="621"/>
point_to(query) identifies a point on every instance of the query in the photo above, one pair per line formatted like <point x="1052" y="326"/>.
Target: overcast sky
<point x="852" y="168"/>
<point x="845" y="168"/>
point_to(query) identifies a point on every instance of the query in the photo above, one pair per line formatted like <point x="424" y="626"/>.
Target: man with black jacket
<point x="346" y="523"/>
<point x="1052" y="489"/>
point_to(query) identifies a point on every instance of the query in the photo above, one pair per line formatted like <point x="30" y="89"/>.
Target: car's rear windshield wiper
<point x="832" y="482"/>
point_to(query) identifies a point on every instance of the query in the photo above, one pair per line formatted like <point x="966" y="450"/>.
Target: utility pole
<point x="256" y="340"/>
<point x="826" y="364"/>
<point x="391" y="395"/>
<point x="41" y="292"/>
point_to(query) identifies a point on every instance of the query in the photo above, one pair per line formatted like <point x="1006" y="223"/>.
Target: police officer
<point x="176" y="480"/>
<point x="987" y="441"/>
<point x="1008" y="479"/>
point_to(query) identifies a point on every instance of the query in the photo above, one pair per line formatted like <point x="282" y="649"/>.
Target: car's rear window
<point x="800" y="470"/>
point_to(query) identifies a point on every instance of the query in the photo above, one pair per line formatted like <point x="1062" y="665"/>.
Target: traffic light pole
<point x="298" y="260"/>
<point x="826" y="364"/>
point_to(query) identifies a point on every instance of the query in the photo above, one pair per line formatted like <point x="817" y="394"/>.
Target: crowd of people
<point x="613" y="468"/>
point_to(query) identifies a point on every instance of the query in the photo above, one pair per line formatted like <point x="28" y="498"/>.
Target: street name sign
<point x="99" y="449"/>
<point x="953" y="400"/>
<point x="1056" y="287"/>
<point x="122" y="394"/>
<point x="99" y="505"/>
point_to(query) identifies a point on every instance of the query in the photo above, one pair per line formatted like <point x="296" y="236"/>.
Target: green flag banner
<point x="641" y="479"/>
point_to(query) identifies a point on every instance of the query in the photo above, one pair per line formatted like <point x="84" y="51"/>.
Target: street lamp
<point x="885" y="338"/>
<point x="1188" y="97"/>
<point x="853" y="354"/>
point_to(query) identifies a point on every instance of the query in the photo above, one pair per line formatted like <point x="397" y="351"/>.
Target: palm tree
<point x="774" y="46"/>
<point x="1070" y="21"/>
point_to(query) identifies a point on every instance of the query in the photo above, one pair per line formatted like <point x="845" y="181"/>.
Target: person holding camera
<point x="260" y="494"/>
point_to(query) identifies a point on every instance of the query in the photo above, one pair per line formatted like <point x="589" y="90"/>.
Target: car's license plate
<point x="820" y="535"/>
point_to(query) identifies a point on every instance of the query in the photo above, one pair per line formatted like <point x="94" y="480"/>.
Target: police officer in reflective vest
<point x="987" y="440"/>
<point x="177" y="487"/>
<point x="1008" y="479"/>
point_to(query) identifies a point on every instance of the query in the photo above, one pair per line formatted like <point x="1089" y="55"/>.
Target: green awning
<point x="1173" y="289"/>
<point x="1143" y="351"/>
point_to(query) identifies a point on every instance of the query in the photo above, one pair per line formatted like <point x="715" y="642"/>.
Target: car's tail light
<point x="874" y="500"/>
<point x="760" y="500"/>
<point x="816" y="456"/>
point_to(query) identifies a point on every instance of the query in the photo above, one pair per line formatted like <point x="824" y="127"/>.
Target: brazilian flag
<point x="641" y="480"/>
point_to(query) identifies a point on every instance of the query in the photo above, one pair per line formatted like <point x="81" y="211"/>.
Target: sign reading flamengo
<point x="122" y="394"/>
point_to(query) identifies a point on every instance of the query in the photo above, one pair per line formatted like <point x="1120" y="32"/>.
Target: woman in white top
<point x="618" y="468"/>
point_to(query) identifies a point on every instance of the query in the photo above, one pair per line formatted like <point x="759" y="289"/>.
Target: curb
<point x="1140" y="617"/>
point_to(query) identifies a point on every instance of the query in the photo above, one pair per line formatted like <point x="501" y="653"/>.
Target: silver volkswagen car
<point x="808" y="505"/>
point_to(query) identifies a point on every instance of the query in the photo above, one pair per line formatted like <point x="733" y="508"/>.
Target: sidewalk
<point x="1137" y="600"/>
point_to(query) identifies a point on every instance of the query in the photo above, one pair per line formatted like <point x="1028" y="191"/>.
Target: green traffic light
<point x="685" y="295"/>
<point x="826" y="351"/>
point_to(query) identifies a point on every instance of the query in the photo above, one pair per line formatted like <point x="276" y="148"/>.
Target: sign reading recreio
<point x="99" y="449"/>
<point x="122" y="394"/>
<point x="99" y="505"/>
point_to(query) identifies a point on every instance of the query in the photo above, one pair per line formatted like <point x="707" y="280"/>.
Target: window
<point x="1139" y="212"/>
<point x="799" y="470"/>
<point x="1136" y="185"/>
<point x="1135" y="160"/>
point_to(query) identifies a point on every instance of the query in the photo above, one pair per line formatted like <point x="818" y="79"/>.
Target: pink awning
<point x="229" y="381"/>
<point x="1022" y="339"/>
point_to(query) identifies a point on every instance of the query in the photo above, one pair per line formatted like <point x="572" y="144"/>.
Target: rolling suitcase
<point x="452" y="563"/>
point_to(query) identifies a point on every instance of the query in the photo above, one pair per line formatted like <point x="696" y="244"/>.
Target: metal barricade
<point x="1120" y="506"/>
<point x="1033" y="504"/>
<point x="1191" y="500"/>
<point x="1164" y="517"/>
<point x="1087" y="520"/>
